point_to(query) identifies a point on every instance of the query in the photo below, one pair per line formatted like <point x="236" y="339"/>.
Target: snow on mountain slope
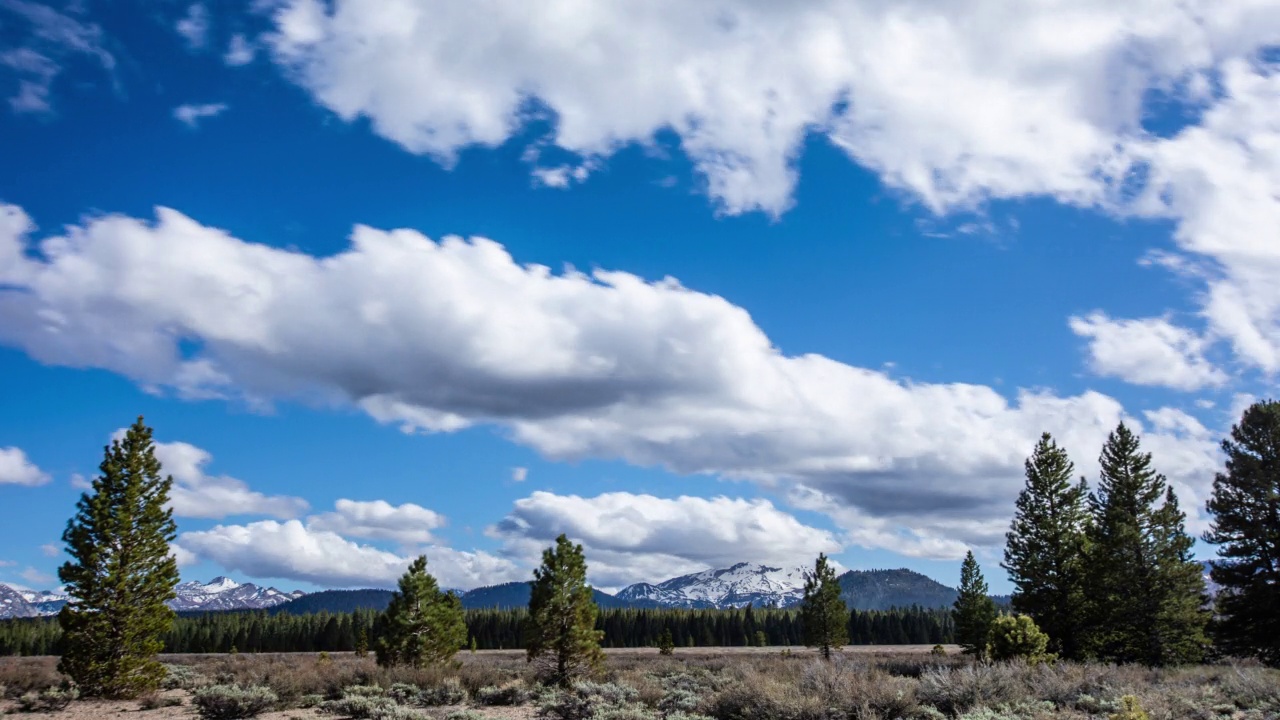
<point x="14" y="605"/>
<point x="221" y="593"/>
<point x="736" y="586"/>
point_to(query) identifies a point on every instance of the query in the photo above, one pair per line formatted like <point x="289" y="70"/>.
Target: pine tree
<point x="975" y="611"/>
<point x="822" y="612"/>
<point x="1246" y="526"/>
<point x="1146" y="591"/>
<point x="121" y="573"/>
<point x="422" y="625"/>
<point x="560" y="634"/>
<point x="666" y="643"/>
<point x="1045" y="546"/>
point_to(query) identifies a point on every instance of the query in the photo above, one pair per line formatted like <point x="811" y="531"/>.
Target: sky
<point x="693" y="283"/>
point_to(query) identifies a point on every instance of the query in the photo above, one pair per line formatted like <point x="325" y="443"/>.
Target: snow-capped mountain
<point x="737" y="586"/>
<point x="46" y="602"/>
<point x="221" y="593"/>
<point x="14" y="605"/>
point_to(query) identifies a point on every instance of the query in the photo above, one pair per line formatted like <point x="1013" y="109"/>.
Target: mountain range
<point x="733" y="587"/>
<point x="221" y="593"/>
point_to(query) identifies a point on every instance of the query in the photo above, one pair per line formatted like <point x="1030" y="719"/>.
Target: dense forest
<point x="262" y="631"/>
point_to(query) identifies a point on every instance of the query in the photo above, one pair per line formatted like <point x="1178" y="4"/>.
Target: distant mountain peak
<point x="220" y="593"/>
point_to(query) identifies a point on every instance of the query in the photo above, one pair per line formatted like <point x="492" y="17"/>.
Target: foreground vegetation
<point x="725" y="685"/>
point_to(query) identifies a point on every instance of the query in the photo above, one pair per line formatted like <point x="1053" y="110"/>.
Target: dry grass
<point x="737" y="685"/>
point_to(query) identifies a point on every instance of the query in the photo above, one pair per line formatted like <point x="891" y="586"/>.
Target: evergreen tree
<point x="666" y="643"/>
<point x="1146" y="591"/>
<point x="1246" y="526"/>
<point x="560" y="634"/>
<point x="120" y="574"/>
<point x="1045" y="546"/>
<point x="822" y="612"/>
<point x="975" y="611"/>
<point x="422" y="625"/>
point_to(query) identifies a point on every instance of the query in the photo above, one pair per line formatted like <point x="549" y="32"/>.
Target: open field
<point x="864" y="683"/>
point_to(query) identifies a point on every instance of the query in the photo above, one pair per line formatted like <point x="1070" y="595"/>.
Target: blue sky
<point x="740" y="283"/>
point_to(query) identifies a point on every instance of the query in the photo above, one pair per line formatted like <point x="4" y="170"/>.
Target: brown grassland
<point x="862" y="683"/>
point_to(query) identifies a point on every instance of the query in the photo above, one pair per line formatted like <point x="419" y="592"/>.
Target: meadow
<point x="861" y="683"/>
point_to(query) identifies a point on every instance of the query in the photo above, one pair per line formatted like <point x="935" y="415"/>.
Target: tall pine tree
<point x="1146" y="592"/>
<point x="1044" y="549"/>
<point x="560" y="635"/>
<point x="974" y="611"/>
<point x="120" y="574"/>
<point x="422" y="625"/>
<point x="1246" y="528"/>
<point x="822" y="611"/>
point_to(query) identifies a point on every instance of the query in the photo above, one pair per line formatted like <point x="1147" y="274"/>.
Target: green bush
<point x="1016" y="637"/>
<point x="1130" y="709"/>
<point x="231" y="702"/>
<point x="512" y="693"/>
<point x="156" y="701"/>
<point x="182" y="677"/>
<point x="585" y="700"/>
<point x="48" y="700"/>
<point x="448" y="692"/>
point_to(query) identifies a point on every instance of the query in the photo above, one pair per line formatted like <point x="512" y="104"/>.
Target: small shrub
<point x="448" y="692"/>
<point x="48" y="700"/>
<point x="1016" y="637"/>
<point x="955" y="691"/>
<point x="231" y="702"/>
<point x="512" y="693"/>
<point x="465" y="715"/>
<point x="360" y="706"/>
<point x="369" y="691"/>
<point x="584" y="700"/>
<point x="938" y="650"/>
<point x="403" y="693"/>
<point x="310" y="701"/>
<point x="1130" y="709"/>
<point x="155" y="701"/>
<point x="182" y="677"/>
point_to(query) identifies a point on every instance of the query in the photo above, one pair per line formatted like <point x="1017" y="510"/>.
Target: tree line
<point x="1108" y="574"/>
<point x="254" y="631"/>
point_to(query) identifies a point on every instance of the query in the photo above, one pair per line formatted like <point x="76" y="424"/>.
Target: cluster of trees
<point x="1108" y="574"/>
<point x="261" y="631"/>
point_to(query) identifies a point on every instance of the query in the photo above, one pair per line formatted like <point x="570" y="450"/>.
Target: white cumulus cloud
<point x="270" y="549"/>
<point x="17" y="469"/>
<point x="436" y="336"/>
<point x="1150" y="351"/>
<point x="380" y="520"/>
<point x="194" y="26"/>
<point x="632" y="537"/>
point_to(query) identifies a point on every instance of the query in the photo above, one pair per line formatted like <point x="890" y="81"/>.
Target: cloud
<point x="51" y="549"/>
<point x="80" y="482"/>
<point x="239" y="51"/>
<point x="191" y="115"/>
<point x="16" y="469"/>
<point x="196" y="494"/>
<point x="269" y="549"/>
<point x="1151" y="351"/>
<point x="44" y="40"/>
<point x="955" y="102"/>
<point x="407" y="524"/>
<point x="519" y="474"/>
<point x="635" y="537"/>
<point x="35" y="577"/>
<point x="194" y="26"/>
<point x="437" y="336"/>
